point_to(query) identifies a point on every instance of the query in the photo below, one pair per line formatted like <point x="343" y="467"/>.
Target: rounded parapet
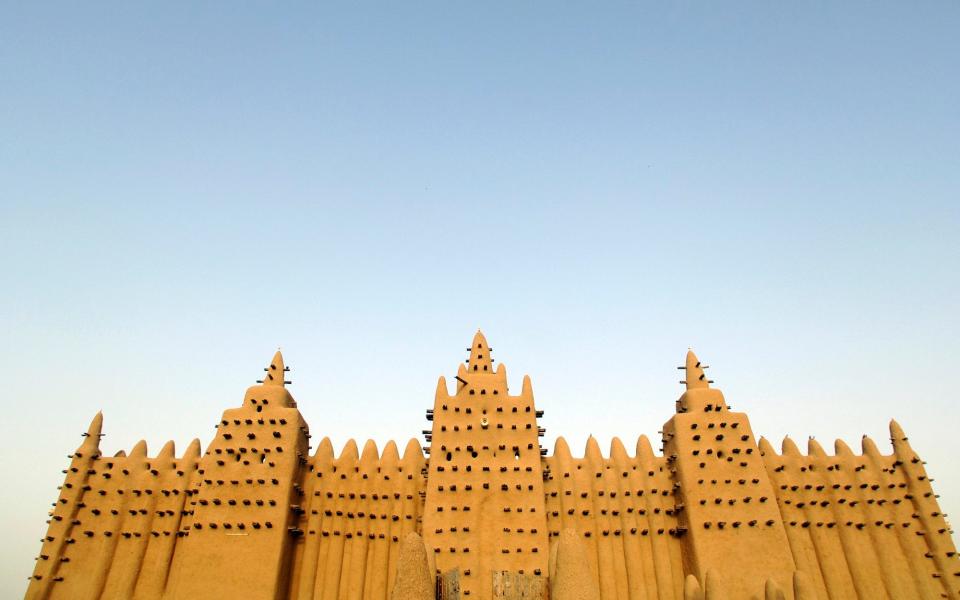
<point x="789" y="447"/>
<point x="193" y="449"/>
<point x="413" y="451"/>
<point x="349" y="452"/>
<point x="324" y="451"/>
<point x="815" y="449"/>
<point x="592" y="452"/>
<point x="168" y="450"/>
<point x="618" y="453"/>
<point x="139" y="450"/>
<point x="766" y="448"/>
<point x="869" y="447"/>
<point x="561" y="450"/>
<point x="645" y="451"/>
<point x="840" y="448"/>
<point x="370" y="458"/>
<point x="390" y="456"/>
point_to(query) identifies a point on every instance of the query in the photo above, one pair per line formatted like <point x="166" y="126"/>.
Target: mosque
<point x="484" y="511"/>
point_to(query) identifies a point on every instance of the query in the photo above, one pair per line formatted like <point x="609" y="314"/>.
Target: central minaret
<point x="484" y="516"/>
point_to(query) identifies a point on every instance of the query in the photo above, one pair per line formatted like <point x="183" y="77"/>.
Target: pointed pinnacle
<point x="696" y="378"/>
<point x="480" y="360"/>
<point x="91" y="439"/>
<point x="275" y="372"/>
<point x="896" y="432"/>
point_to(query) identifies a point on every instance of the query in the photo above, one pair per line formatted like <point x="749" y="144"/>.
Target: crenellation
<point x="491" y="513"/>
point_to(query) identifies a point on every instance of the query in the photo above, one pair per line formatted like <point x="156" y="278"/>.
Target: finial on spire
<point x="275" y="372"/>
<point x="696" y="378"/>
<point x="480" y="360"/>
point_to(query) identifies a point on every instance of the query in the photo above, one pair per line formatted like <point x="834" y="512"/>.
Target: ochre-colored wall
<point x="717" y="514"/>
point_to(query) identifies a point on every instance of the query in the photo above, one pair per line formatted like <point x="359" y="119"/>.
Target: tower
<point x="484" y="516"/>
<point x="726" y="499"/>
<point x="238" y="543"/>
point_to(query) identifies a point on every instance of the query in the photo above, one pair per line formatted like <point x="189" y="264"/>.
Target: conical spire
<point x="91" y="439"/>
<point x="275" y="372"/>
<point x="696" y="378"/>
<point x="480" y="361"/>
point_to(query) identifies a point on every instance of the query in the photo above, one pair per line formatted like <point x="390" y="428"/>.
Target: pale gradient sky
<point x="186" y="188"/>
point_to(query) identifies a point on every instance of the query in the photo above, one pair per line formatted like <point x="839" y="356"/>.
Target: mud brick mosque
<point x="485" y="512"/>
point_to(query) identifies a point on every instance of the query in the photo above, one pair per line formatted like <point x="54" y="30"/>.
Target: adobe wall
<point x="864" y="525"/>
<point x="358" y="510"/>
<point x="623" y="510"/>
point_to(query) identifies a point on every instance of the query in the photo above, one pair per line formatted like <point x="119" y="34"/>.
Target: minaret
<point x="484" y="516"/>
<point x="245" y="508"/>
<point x="725" y="496"/>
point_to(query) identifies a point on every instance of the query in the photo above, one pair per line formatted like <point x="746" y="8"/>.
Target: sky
<point x="186" y="188"/>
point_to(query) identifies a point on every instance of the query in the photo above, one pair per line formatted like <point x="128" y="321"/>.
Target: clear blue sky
<point x="185" y="188"/>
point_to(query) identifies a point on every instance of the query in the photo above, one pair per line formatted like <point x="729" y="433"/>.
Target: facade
<point x="484" y="511"/>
